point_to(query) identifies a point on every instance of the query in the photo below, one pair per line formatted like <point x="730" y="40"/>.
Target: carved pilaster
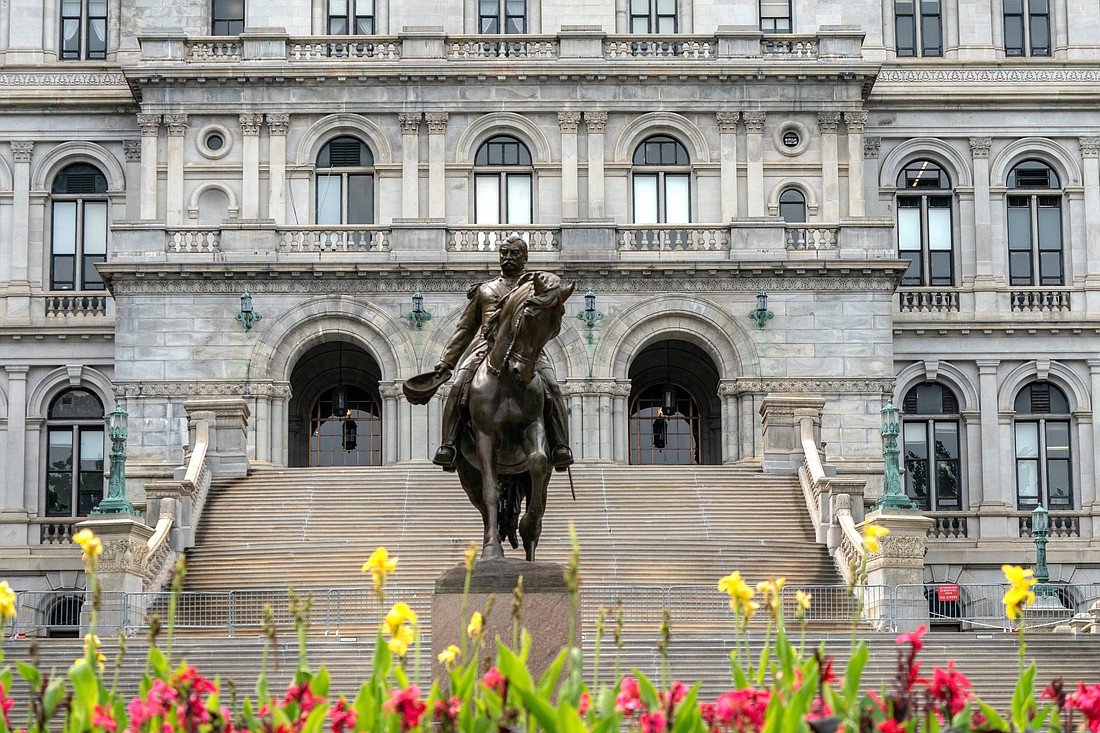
<point x="250" y="123"/>
<point x="754" y="121"/>
<point x="979" y="146"/>
<point x="409" y="122"/>
<point x="278" y="123"/>
<point x="21" y="151"/>
<point x="149" y="124"/>
<point x="596" y="122"/>
<point x="727" y="121"/>
<point x="621" y="389"/>
<point x="855" y="121"/>
<point x="827" y="122"/>
<point x="437" y="122"/>
<point x="1090" y="146"/>
<point x="568" y="121"/>
<point x="132" y="150"/>
<point x="871" y="146"/>
<point x="177" y="125"/>
<point x="390" y="391"/>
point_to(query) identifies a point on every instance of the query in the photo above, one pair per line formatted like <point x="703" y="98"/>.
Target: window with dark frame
<point x="351" y="18"/>
<point x="502" y="16"/>
<point x="227" y="17"/>
<point x="653" y="16"/>
<point x="74" y="454"/>
<point x="925" y="228"/>
<point x="78" y="230"/>
<point x="661" y="181"/>
<point x="503" y="182"/>
<point x="775" y="16"/>
<point x="918" y="28"/>
<point x="1034" y="210"/>
<point x="83" y="30"/>
<point x="931" y="447"/>
<point x="792" y="206"/>
<point x="345" y="182"/>
<point x="1044" y="472"/>
<point x="1026" y="27"/>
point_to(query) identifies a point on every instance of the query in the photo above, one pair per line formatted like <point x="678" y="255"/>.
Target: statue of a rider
<point x="483" y="301"/>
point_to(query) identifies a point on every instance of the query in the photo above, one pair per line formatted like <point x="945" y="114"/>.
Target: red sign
<point x="947" y="592"/>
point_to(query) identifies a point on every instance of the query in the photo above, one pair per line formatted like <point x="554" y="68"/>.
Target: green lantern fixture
<point x="760" y="314"/>
<point x="116" y="501"/>
<point x="590" y="315"/>
<point x="248" y="316"/>
<point x="892" y="496"/>
<point x="418" y="316"/>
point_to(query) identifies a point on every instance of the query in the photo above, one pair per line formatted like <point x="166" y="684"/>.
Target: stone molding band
<point x="153" y="388"/>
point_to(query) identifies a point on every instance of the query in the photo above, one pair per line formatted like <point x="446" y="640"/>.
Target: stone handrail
<point x="228" y="48"/>
<point x="192" y="241"/>
<point x="788" y="46"/>
<point x="671" y="237"/>
<point x="61" y="306"/>
<point x="800" y="237"/>
<point x="929" y="300"/>
<point x="345" y="48"/>
<point x="485" y="238"/>
<point x="660" y="47"/>
<point x="501" y="47"/>
<point x="849" y="552"/>
<point x="1040" y="300"/>
<point x="333" y="238"/>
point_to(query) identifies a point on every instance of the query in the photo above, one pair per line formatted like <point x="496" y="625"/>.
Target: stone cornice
<point x="972" y="74"/>
<point x="205" y="388"/>
<point x="815" y="385"/>
<point x="62" y="79"/>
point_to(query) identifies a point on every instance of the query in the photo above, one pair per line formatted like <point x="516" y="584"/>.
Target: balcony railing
<point x="502" y="47"/>
<point x="487" y="238"/>
<point x="229" y="48"/>
<point x="350" y="238"/>
<point x="685" y="238"/>
<point x="57" y="530"/>
<point x="349" y="48"/>
<point x="193" y="241"/>
<point x="1062" y="524"/>
<point x="912" y="300"/>
<point x="61" y="306"/>
<point x="660" y="47"/>
<point x="1040" y="300"/>
<point x="784" y="47"/>
<point x="949" y="525"/>
<point x="807" y="237"/>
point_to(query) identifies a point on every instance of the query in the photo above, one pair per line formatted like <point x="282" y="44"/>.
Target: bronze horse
<point x="503" y="455"/>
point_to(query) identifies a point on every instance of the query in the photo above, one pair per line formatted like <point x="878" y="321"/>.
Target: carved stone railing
<point x="660" y="47"/>
<point x="685" y="238"/>
<point x="789" y="47"/>
<point x="486" y="238"/>
<point x="337" y="48"/>
<point x="1040" y="300"/>
<point x="927" y="301"/>
<point x="849" y="553"/>
<point x="1062" y="524"/>
<point x="57" y="530"/>
<point x="61" y="306"/>
<point x="949" y="525"/>
<point x="501" y="47"/>
<point x="192" y="241"/>
<point x="349" y="238"/>
<point x="809" y="237"/>
<point x="214" y="49"/>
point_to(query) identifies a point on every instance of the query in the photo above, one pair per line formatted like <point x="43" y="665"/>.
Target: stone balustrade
<point x="949" y="525"/>
<point x="349" y="48"/>
<point x="928" y="300"/>
<point x="350" y="238"/>
<point x="501" y="47"/>
<point x="1062" y="524"/>
<point x="660" y="47"/>
<point x="193" y="241"/>
<point x="811" y="237"/>
<point x="62" y="306"/>
<point x="1040" y="300"/>
<point x="788" y="47"/>
<point x="667" y="238"/>
<point x="486" y="238"/>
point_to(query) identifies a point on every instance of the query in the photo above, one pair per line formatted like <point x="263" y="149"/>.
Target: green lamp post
<point x="892" y="496"/>
<point x="116" y="501"/>
<point x="1040" y="531"/>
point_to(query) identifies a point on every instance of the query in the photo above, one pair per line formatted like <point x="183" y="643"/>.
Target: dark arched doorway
<point x="675" y="416"/>
<point x="336" y="410"/>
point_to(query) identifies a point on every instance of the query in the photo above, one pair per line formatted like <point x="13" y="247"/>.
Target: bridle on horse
<point x="510" y="354"/>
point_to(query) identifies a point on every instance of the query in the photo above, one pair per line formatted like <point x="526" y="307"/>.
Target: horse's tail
<point x="509" y="507"/>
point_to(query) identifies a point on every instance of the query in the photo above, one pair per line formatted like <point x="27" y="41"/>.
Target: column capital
<point x="855" y="121"/>
<point x="437" y="122"/>
<point x="568" y="121"/>
<point x="409" y="122"/>
<point x="979" y="147"/>
<point x="149" y="124"/>
<point x="177" y="125"/>
<point x="988" y="366"/>
<point x="828" y="122"/>
<point x="727" y="121"/>
<point x="1094" y="365"/>
<point x="871" y="146"/>
<point x="754" y="121"/>
<point x="595" y="121"/>
<point x="17" y="371"/>
<point x="278" y="123"/>
<point x="250" y="124"/>
<point x="132" y="150"/>
<point x="21" y="151"/>
<point x="1090" y="146"/>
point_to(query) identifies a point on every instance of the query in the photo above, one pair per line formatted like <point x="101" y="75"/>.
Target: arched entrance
<point x="675" y="416"/>
<point x="336" y="410"/>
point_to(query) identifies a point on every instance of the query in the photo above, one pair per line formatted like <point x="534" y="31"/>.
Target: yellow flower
<point x="399" y="642"/>
<point x="91" y="647"/>
<point x="871" y="535"/>
<point x="772" y="590"/>
<point x="740" y="594"/>
<point x="475" y="626"/>
<point x="1019" y="595"/>
<point x="380" y="565"/>
<point x="448" y="656"/>
<point x="469" y="555"/>
<point x="398" y="616"/>
<point x="7" y="601"/>
<point x="91" y="546"/>
<point x="802" y="603"/>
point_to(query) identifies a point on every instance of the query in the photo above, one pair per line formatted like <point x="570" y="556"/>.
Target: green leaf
<point x="85" y="694"/>
<point x="550" y="677"/>
<point x="649" y="693"/>
<point x="30" y="673"/>
<point x="514" y="670"/>
<point x="538" y="707"/>
<point x="366" y="708"/>
<point x="992" y="717"/>
<point x="609" y="724"/>
<point x="55" y="692"/>
<point x="853" y="674"/>
<point x="1023" y="698"/>
<point x="316" y="719"/>
<point x="687" y="712"/>
<point x="383" y="660"/>
<point x="157" y="663"/>
<point x="320" y="683"/>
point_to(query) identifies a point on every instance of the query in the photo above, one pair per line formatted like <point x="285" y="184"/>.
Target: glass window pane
<point x="666" y="24"/>
<point x="95" y="228"/>
<point x="1050" y="227"/>
<point x="908" y="229"/>
<point x="1027" y="481"/>
<point x="677" y="199"/>
<point x="338" y="26"/>
<point x="91" y="492"/>
<point x="70" y="36"/>
<point x="1014" y="35"/>
<point x="59" y="453"/>
<point x="364" y="7"/>
<point x="942" y="269"/>
<point x="947" y="440"/>
<point x="329" y="200"/>
<point x="519" y="199"/>
<point x="906" y="35"/>
<point x="338" y="7"/>
<point x="639" y="25"/>
<point x="1059" y="484"/>
<point x="91" y="449"/>
<point x="931" y="44"/>
<point x="1057" y="439"/>
<point x="666" y="7"/>
<point x="1027" y="440"/>
<point x="1019" y="268"/>
<point x="1050" y="268"/>
<point x="947" y="485"/>
<point x="487" y="200"/>
<point x="64" y="227"/>
<point x="90" y="276"/>
<point x="75" y="404"/>
<point x="645" y="198"/>
<point x="1040" y="35"/>
<point x="360" y="199"/>
<point x="1019" y="226"/>
<point x="639" y="7"/>
<point x="97" y="38"/>
<point x="915" y="439"/>
<point x="939" y="228"/>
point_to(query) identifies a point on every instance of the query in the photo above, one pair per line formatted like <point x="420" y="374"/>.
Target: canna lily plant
<point x="785" y="689"/>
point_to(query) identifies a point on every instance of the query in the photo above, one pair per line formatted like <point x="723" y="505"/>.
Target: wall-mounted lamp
<point x="590" y="315"/>
<point x="418" y="316"/>
<point x="248" y="316"/>
<point x="760" y="314"/>
<point x="668" y="400"/>
<point x="116" y="502"/>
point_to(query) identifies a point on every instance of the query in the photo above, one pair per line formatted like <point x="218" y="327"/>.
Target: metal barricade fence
<point x="194" y="610"/>
<point x="970" y="606"/>
<point x="641" y="604"/>
<point x="58" y="613"/>
<point x="360" y="607"/>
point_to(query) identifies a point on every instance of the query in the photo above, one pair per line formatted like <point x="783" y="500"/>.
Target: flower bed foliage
<point x="787" y="689"/>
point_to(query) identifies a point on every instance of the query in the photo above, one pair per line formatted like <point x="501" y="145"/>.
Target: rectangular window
<point x="90" y="489"/>
<point x="1049" y="225"/>
<point x="909" y="239"/>
<point x="487" y="199"/>
<point x="1014" y="27"/>
<point x="915" y="441"/>
<point x="329" y="199"/>
<point x="1027" y="463"/>
<point x="1019" y="241"/>
<point x="775" y="16"/>
<point x="95" y="243"/>
<point x="947" y="465"/>
<point x="931" y="35"/>
<point x="645" y="198"/>
<point x="515" y="16"/>
<point x="502" y="16"/>
<point x="1039" y="27"/>
<point x="666" y="16"/>
<point x="59" y="473"/>
<point x="1027" y="27"/>
<point x="677" y="199"/>
<point x="905" y="28"/>
<point x="97" y="30"/>
<point x="941" y="260"/>
<point x="71" y="13"/>
<point x="360" y="199"/>
<point x="63" y="266"/>
<point x="1059" y="489"/>
<point x="519" y="199"/>
<point x="227" y="17"/>
<point x="489" y="16"/>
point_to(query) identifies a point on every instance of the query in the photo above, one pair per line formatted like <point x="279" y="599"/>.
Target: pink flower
<point x="342" y="717"/>
<point x="100" y="719"/>
<point x="890" y="726"/>
<point x="914" y="638"/>
<point x="653" y="722"/>
<point x="446" y="711"/>
<point x="495" y="681"/>
<point x="742" y="709"/>
<point x="629" y="698"/>
<point x="584" y="704"/>
<point x="6" y="704"/>
<point x="676" y="694"/>
<point x="950" y="687"/>
<point x="408" y="705"/>
<point x="706" y="710"/>
<point x="1087" y="700"/>
<point x="138" y="711"/>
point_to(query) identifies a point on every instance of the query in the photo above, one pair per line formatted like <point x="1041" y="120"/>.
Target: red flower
<point x="138" y="711"/>
<point x="342" y="717"/>
<point x="827" y="674"/>
<point x="653" y="722"/>
<point x="584" y="704"/>
<point x="706" y="710"/>
<point x="890" y="726"/>
<point x="446" y="711"/>
<point x="408" y="705"/>
<point x="914" y="638"/>
<point x="676" y="694"/>
<point x="6" y="704"/>
<point x="1087" y="700"/>
<point x="100" y="719"/>
<point x="495" y="681"/>
<point x="629" y="698"/>
<point x="742" y="709"/>
<point x="302" y="695"/>
<point x="950" y="687"/>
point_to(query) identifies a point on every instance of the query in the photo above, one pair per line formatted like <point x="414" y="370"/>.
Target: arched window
<point x="792" y="206"/>
<point x="1035" y="225"/>
<point x="345" y="428"/>
<point x="74" y="454"/>
<point x="918" y="27"/>
<point x="227" y="17"/>
<point x="931" y="445"/>
<point x="502" y="16"/>
<point x="925" y="236"/>
<point x="345" y="182"/>
<point x="662" y="182"/>
<point x="503" y="182"/>
<point x="351" y="17"/>
<point x="78" y="238"/>
<point x="1027" y="27"/>
<point x="664" y="427"/>
<point x="653" y="16"/>
<point x="1044" y="473"/>
<point x="83" y="29"/>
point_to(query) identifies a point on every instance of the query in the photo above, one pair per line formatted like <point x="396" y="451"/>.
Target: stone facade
<point x="209" y="150"/>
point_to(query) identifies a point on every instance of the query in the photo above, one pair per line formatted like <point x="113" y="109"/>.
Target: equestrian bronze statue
<point x="504" y="427"/>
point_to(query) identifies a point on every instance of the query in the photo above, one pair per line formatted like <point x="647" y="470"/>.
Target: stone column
<point x="871" y="148"/>
<point x="972" y="433"/>
<point x="607" y="424"/>
<point x="573" y="391"/>
<point x="1089" y="503"/>
<point x="279" y="424"/>
<point x="754" y="158"/>
<point x="568" y="122"/>
<point x="177" y="128"/>
<point x="901" y="562"/>
<point x="404" y="430"/>
<point x="277" y="125"/>
<point x="437" y="161"/>
<point x="250" y="165"/>
<point x="410" y="164"/>
<point x="390" y="394"/>
<point x="15" y="476"/>
<point x="150" y="139"/>
<point x="827" y="123"/>
<point x="620" y="413"/>
<point x="727" y="394"/>
<point x="855" y="122"/>
<point x="19" y="241"/>
<point x="1090" y="152"/>
<point x="595" y="123"/>
<point x="131" y="150"/>
<point x="727" y="147"/>
<point x="983" y="239"/>
<point x="782" y="416"/>
<point x="991" y="463"/>
<point x="263" y="428"/>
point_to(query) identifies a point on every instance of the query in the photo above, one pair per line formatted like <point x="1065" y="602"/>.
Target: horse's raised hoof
<point x="491" y="551"/>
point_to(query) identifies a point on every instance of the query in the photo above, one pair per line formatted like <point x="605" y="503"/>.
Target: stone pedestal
<point x="782" y="416"/>
<point x="901" y="562"/>
<point x="120" y="568"/>
<point x="226" y="425"/>
<point x="545" y="611"/>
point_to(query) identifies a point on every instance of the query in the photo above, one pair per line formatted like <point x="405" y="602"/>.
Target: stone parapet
<point x="781" y="417"/>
